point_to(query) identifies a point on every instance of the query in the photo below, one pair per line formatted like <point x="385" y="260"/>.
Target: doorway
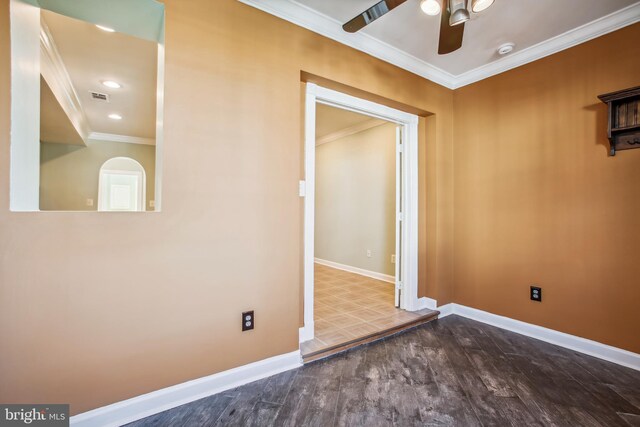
<point x="404" y="275"/>
<point x="121" y="186"/>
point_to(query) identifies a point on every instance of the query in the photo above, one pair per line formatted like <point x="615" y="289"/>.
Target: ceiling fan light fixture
<point x="430" y="7"/>
<point x="480" y="5"/>
<point x="459" y="12"/>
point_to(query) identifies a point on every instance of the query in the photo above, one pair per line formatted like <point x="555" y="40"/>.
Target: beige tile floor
<point x="349" y="306"/>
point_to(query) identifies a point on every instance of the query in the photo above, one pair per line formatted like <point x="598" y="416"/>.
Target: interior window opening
<point x="87" y="85"/>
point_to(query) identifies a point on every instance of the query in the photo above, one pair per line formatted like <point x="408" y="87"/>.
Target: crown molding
<point x="305" y="17"/>
<point x="599" y="27"/>
<point x="112" y="137"/>
<point x="312" y="20"/>
<point x="57" y="77"/>
<point x="351" y="130"/>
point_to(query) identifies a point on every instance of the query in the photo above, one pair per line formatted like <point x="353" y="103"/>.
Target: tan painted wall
<point x="95" y="308"/>
<point x="100" y="307"/>
<point x="537" y="199"/>
<point x="69" y="173"/>
<point x="355" y="200"/>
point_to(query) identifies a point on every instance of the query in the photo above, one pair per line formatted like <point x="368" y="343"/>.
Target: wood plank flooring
<point x="452" y="371"/>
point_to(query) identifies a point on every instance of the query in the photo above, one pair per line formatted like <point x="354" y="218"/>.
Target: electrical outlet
<point x="368" y="253"/>
<point x="536" y="293"/>
<point x="248" y="320"/>
<point x="89" y="202"/>
<point x="393" y="259"/>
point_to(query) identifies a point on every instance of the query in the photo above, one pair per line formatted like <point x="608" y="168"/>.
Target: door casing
<point x="409" y="198"/>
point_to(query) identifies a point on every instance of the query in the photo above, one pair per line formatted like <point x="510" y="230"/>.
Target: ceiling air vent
<point x="98" y="96"/>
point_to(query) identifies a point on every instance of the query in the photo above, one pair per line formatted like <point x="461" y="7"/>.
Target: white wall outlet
<point x="393" y="259"/>
<point x="152" y="203"/>
<point x="89" y="202"/>
<point x="368" y="253"/>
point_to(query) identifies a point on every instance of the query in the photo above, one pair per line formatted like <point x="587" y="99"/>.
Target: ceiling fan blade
<point x="371" y="14"/>
<point x="450" y="37"/>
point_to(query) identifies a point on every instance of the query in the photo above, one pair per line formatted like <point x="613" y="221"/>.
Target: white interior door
<point x="399" y="203"/>
<point x="121" y="192"/>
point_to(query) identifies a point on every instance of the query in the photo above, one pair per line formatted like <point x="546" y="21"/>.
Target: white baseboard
<point x="356" y="270"/>
<point x="445" y="310"/>
<point x="306" y="332"/>
<point x="152" y="403"/>
<point x="572" y="342"/>
<point x="425" y="302"/>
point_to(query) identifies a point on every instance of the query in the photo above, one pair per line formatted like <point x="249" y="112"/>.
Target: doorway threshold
<point x="315" y="349"/>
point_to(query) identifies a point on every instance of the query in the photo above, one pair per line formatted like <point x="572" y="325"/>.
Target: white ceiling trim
<point x="301" y="15"/>
<point x="57" y="77"/>
<point x="312" y="20"/>
<point x="112" y="137"/>
<point x="351" y="130"/>
<point x="599" y="27"/>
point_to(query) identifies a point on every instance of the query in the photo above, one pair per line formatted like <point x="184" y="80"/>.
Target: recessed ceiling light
<point x="506" y="48"/>
<point x="115" y="116"/>
<point x="107" y="29"/>
<point x="480" y="5"/>
<point x="111" y="84"/>
<point x="430" y="7"/>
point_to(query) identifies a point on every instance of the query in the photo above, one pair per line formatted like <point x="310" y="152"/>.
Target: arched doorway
<point x="122" y="185"/>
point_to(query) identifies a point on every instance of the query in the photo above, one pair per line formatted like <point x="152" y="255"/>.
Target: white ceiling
<point x="91" y="56"/>
<point x="408" y="38"/>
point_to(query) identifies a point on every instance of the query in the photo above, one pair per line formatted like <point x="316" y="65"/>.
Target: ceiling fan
<point x="454" y="14"/>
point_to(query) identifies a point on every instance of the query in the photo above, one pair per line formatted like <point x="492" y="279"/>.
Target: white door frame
<point x="409" y="122"/>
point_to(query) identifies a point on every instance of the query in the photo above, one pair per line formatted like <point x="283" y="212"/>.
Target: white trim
<point x="361" y="271"/>
<point x="308" y="18"/>
<point x="409" y="122"/>
<point x="112" y="137"/>
<point x="312" y="20"/>
<point x="409" y="258"/>
<point x="159" y="142"/>
<point x="425" y="302"/>
<point x="148" y="404"/>
<point x="572" y="342"/>
<point x="309" y="207"/>
<point x="599" y="27"/>
<point x="351" y="130"/>
<point x="445" y="310"/>
<point x="57" y="77"/>
<point x="398" y="249"/>
<point x="24" y="164"/>
<point x="304" y="335"/>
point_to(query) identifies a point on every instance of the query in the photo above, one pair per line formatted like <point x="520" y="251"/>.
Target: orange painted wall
<point x="538" y="200"/>
<point x="100" y="307"/>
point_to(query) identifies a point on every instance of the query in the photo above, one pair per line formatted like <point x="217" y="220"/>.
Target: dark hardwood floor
<point x="452" y="371"/>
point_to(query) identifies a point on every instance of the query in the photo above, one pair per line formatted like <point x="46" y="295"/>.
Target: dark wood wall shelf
<point x="624" y="118"/>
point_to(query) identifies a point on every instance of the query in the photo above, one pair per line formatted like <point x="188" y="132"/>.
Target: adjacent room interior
<point x="319" y="212"/>
<point x="97" y="117"/>
<point x="356" y="277"/>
